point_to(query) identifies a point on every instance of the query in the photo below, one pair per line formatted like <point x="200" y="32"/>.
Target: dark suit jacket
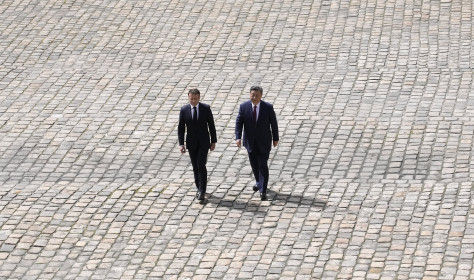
<point x="260" y="134"/>
<point x="197" y="134"/>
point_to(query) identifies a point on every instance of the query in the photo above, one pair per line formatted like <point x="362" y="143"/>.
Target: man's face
<point x="194" y="99"/>
<point x="255" y="96"/>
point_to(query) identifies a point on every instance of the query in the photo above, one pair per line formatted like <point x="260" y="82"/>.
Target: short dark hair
<point x="257" y="88"/>
<point x="194" y="91"/>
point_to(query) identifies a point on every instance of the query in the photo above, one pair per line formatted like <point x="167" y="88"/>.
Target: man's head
<point x="256" y="93"/>
<point x="194" y="96"/>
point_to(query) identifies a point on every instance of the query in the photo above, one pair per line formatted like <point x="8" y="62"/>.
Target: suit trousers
<point x="259" y="163"/>
<point x="198" y="159"/>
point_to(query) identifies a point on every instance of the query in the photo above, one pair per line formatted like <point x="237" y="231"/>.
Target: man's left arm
<point x="274" y="126"/>
<point x="212" y="129"/>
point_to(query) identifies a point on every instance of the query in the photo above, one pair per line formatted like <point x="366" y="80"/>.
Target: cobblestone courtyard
<point x="373" y="177"/>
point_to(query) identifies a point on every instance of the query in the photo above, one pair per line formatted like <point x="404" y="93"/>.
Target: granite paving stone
<point x="372" y="179"/>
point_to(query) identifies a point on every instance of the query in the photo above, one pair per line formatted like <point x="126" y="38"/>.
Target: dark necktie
<point x="194" y="114"/>
<point x="255" y="114"/>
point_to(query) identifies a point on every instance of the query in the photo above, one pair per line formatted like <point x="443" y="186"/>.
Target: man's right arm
<point x="181" y="130"/>
<point x="239" y="124"/>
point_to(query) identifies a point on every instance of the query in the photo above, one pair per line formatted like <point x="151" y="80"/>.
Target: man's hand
<point x="213" y="146"/>
<point x="275" y="143"/>
<point x="238" y="143"/>
<point x="182" y="149"/>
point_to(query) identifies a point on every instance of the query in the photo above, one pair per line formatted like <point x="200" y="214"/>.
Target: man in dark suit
<point x="197" y="120"/>
<point x="258" y="121"/>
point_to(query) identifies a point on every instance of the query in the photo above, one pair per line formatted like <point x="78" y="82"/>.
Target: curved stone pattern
<point x="372" y="179"/>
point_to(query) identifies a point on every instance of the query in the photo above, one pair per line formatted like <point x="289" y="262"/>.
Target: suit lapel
<point x="261" y="111"/>
<point x="198" y="112"/>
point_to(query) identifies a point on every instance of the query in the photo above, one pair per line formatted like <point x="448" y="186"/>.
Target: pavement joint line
<point x="372" y="179"/>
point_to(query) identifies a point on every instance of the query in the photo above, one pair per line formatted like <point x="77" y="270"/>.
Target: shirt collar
<point x="197" y="106"/>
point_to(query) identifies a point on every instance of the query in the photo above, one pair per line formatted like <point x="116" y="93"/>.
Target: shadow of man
<point x="283" y="199"/>
<point x="273" y="197"/>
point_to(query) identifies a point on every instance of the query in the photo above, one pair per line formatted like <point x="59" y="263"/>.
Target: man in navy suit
<point x="196" y="118"/>
<point x="258" y="121"/>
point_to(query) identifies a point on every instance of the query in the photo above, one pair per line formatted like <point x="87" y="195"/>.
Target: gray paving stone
<point x="372" y="178"/>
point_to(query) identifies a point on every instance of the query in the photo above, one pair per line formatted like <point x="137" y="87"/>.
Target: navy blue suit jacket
<point x="197" y="133"/>
<point x="261" y="134"/>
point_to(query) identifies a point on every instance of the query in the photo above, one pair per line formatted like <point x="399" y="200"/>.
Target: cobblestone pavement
<point x="373" y="177"/>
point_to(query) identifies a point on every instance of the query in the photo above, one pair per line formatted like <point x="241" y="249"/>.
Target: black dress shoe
<point x="201" y="196"/>
<point x="255" y="188"/>
<point x="263" y="196"/>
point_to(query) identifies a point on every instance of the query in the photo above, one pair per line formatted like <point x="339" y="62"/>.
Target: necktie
<point x="255" y="114"/>
<point x="194" y="114"/>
